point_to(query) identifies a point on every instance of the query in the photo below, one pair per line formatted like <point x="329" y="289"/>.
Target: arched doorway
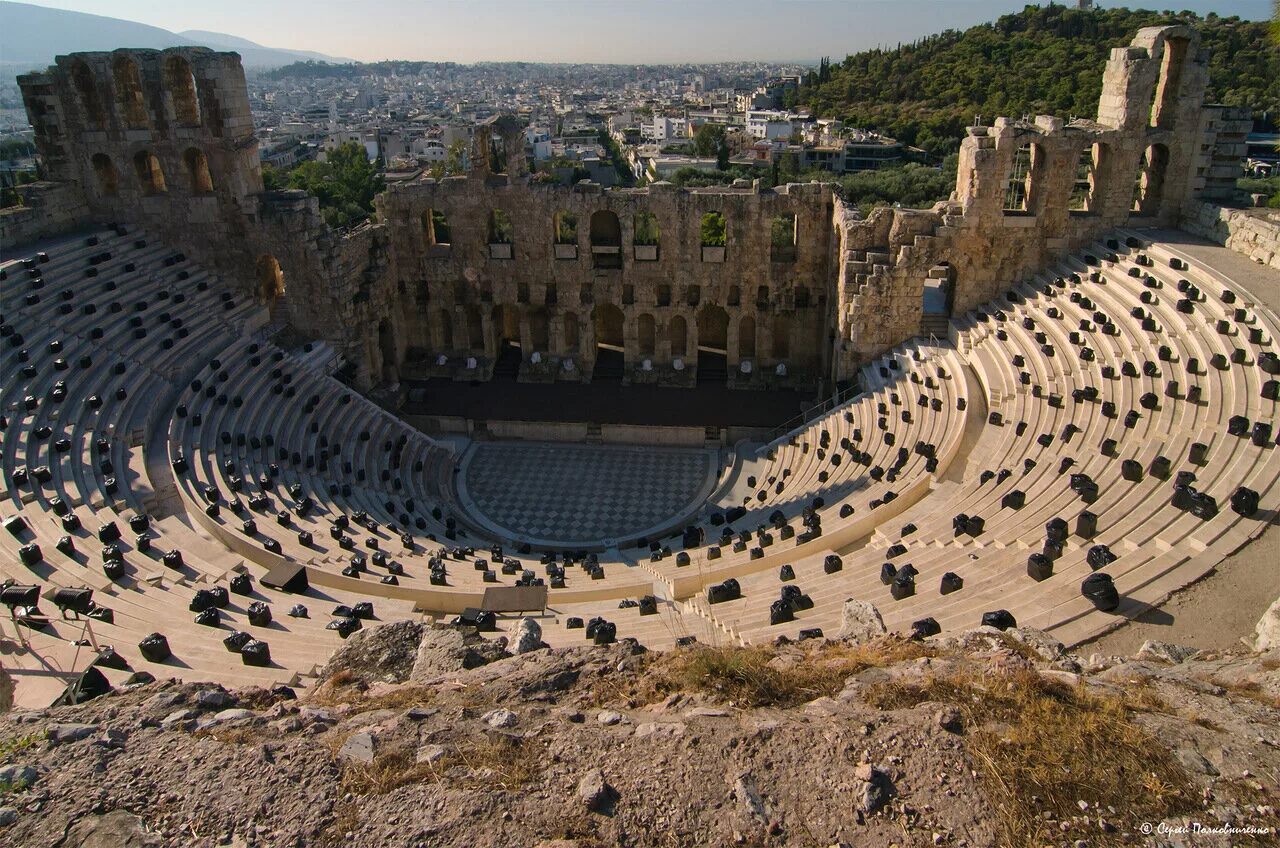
<point x="610" y="342"/>
<point x="713" y="344"/>
<point x="506" y="342"/>
<point x="387" y="350"/>
<point x="198" y="170"/>
<point x="150" y="175"/>
<point x="747" y="337"/>
<point x="606" y="239"/>
<point x="571" y="332"/>
<point x="646" y="335"/>
<point x="444" y="342"/>
<point x="270" y="280"/>
<point x="133" y="107"/>
<point x="105" y="171"/>
<point x="1148" y="191"/>
<point x="181" y="85"/>
<point x="678" y="334"/>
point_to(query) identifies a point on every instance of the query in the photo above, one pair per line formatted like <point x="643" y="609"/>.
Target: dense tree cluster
<point x="345" y="183"/>
<point x="1042" y="60"/>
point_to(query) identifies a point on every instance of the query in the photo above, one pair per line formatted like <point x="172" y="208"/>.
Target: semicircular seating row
<point x="1132" y="400"/>
<point x="134" y="384"/>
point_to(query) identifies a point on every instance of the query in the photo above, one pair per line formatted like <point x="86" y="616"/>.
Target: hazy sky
<point x="586" y="30"/>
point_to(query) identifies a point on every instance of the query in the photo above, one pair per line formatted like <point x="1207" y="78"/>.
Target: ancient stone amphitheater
<point x="1058" y="403"/>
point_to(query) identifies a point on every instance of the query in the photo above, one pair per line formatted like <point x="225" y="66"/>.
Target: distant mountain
<point x="30" y="36"/>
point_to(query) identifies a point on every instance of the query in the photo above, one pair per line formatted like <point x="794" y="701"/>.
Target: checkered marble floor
<point x="582" y="493"/>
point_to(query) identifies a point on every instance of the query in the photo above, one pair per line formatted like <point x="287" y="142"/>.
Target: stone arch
<point x="1090" y="163"/>
<point x="180" y="82"/>
<point x="608" y="320"/>
<point x="539" y="330"/>
<point x="270" y="279"/>
<point x="198" y="169"/>
<point x="1148" y="190"/>
<point x="87" y="90"/>
<point x="565" y="227"/>
<point x="646" y="334"/>
<point x="1017" y="194"/>
<point x="713" y="329"/>
<point x="678" y="335"/>
<point x="747" y="337"/>
<point x="435" y="228"/>
<point x="606" y="230"/>
<point x="501" y="230"/>
<point x="606" y="240"/>
<point x="444" y="339"/>
<point x="387" y="350"/>
<point x="782" y="237"/>
<point x="107" y="176"/>
<point x="150" y="174"/>
<point x="781" y="337"/>
<point x="1164" y="105"/>
<point x="475" y="328"/>
<point x="129" y="96"/>
<point x="571" y="332"/>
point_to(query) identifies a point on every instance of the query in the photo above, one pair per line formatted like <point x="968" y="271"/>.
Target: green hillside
<point x="1043" y="60"/>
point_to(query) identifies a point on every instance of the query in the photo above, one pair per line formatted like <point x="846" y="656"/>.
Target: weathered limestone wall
<point x="49" y="209"/>
<point x="1253" y="232"/>
<point x="1029" y="191"/>
<point x="462" y="298"/>
<point x="165" y="139"/>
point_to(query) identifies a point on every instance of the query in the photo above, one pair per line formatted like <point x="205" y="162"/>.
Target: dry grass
<point x="758" y="676"/>
<point x="344" y="688"/>
<point x="1041" y="747"/>
<point x="1249" y="690"/>
<point x="234" y="735"/>
<point x="489" y="761"/>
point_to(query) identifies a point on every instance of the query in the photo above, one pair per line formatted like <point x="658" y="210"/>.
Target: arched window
<point x="539" y="330"/>
<point x="1084" y="191"/>
<point x="746" y="337"/>
<point x="270" y="279"/>
<point x="180" y="82"/>
<point x="606" y="240"/>
<point x="87" y="90"/>
<point x="435" y="228"/>
<point x="501" y="230"/>
<point x="1148" y="190"/>
<point x="646" y="236"/>
<point x="735" y="296"/>
<point x="781" y="337"/>
<point x="445" y="319"/>
<point x="605" y="229"/>
<point x="132" y="103"/>
<point x="1164" y="106"/>
<point x="1016" y="193"/>
<point x="782" y="238"/>
<point x="566" y="228"/>
<point x="198" y="169"/>
<point x="150" y="176"/>
<point x="713" y="231"/>
<point x="571" y="332"/>
<point x="105" y="171"/>
<point x="678" y="335"/>
<point x="646" y="335"/>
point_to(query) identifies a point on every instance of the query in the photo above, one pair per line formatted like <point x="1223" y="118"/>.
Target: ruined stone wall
<point x="48" y="209"/>
<point x="159" y="138"/>
<point x="1029" y="190"/>
<point x="461" y="298"/>
<point x="164" y="139"/>
<point x="1252" y="232"/>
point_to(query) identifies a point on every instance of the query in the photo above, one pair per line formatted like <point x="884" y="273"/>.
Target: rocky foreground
<point x="422" y="737"/>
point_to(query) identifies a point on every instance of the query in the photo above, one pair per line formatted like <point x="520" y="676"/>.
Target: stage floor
<point x="608" y="403"/>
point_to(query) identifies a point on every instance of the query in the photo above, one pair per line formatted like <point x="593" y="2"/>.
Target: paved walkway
<point x="587" y="495"/>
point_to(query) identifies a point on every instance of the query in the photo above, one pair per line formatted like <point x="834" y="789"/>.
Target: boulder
<point x="1166" y="652"/>
<point x="382" y="654"/>
<point x="1266" y="634"/>
<point x="117" y="829"/>
<point x="528" y="636"/>
<point x="18" y="776"/>
<point x="61" y="734"/>
<point x="359" y="747"/>
<point x="500" y="718"/>
<point x="594" y="791"/>
<point x="860" y="622"/>
<point x="446" y="651"/>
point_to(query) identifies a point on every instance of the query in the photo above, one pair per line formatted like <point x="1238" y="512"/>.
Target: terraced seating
<point x="1039" y="446"/>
